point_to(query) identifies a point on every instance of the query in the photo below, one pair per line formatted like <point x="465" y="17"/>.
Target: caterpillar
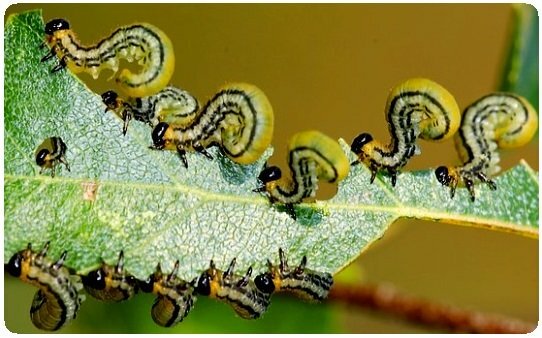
<point x="175" y="297"/>
<point x="171" y="105"/>
<point x="110" y="283"/>
<point x="141" y="42"/>
<point x="497" y="120"/>
<point x="312" y="156"/>
<point x="415" y="108"/>
<point x="50" y="153"/>
<point x="307" y="284"/>
<point x="238" y="118"/>
<point x="239" y="292"/>
<point x="57" y="301"/>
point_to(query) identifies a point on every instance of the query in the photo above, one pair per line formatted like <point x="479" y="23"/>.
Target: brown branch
<point x="387" y="299"/>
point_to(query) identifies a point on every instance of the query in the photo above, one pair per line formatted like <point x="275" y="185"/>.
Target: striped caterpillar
<point x="175" y="297"/>
<point x="415" y="108"/>
<point x="58" y="298"/>
<point x="238" y="118"/>
<point x="171" y="105"/>
<point x="312" y="156"/>
<point x="498" y="120"/>
<point x="239" y="292"/>
<point x="57" y="301"/>
<point x="110" y="283"/>
<point x="307" y="284"/>
<point x="50" y="153"/>
<point x="142" y="42"/>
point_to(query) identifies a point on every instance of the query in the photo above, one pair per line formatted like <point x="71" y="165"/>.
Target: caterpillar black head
<point x="203" y="285"/>
<point x="148" y="284"/>
<point x="360" y="141"/>
<point x="449" y="176"/>
<point x="268" y="174"/>
<point x="56" y="25"/>
<point x="110" y="283"/>
<point x="42" y="157"/>
<point x="264" y="282"/>
<point x="159" y="135"/>
<point x="14" y="265"/>
<point x="109" y="98"/>
<point x="443" y="176"/>
<point x="95" y="279"/>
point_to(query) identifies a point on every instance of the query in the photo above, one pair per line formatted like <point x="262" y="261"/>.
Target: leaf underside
<point x="147" y="204"/>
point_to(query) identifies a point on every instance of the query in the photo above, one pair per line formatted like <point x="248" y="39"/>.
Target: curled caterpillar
<point x="415" y="108"/>
<point x="498" y="120"/>
<point x="238" y="118"/>
<point x="239" y="292"/>
<point x="171" y="105"/>
<point x="57" y="301"/>
<point x="110" y="283"/>
<point x="142" y="42"/>
<point x="307" y="284"/>
<point x="50" y="153"/>
<point x="312" y="156"/>
<point x="175" y="297"/>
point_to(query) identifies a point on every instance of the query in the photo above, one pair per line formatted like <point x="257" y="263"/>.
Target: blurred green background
<point x="330" y="67"/>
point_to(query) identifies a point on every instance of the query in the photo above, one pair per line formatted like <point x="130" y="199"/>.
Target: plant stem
<point x="387" y="299"/>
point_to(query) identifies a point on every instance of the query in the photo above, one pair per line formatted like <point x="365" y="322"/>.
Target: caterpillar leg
<point x="62" y="160"/>
<point x="449" y="176"/>
<point x="182" y="155"/>
<point x="61" y="65"/>
<point x="245" y="279"/>
<point x="114" y="103"/>
<point x="52" y="171"/>
<point x="470" y="186"/>
<point x="49" y="55"/>
<point x="469" y="183"/>
<point x="290" y="210"/>
<point x="60" y="262"/>
<point x="483" y="178"/>
<point x="126" y="118"/>
<point x="200" y="149"/>
<point x="373" y="175"/>
<point x="393" y="175"/>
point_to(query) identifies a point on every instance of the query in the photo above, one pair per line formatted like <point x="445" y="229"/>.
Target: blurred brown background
<point x="330" y="67"/>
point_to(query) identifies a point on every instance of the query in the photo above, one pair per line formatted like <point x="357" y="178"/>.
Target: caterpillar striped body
<point x="50" y="153"/>
<point x="307" y="284"/>
<point x="171" y="105"/>
<point x="175" y="297"/>
<point x="110" y="283"/>
<point x="415" y="108"/>
<point x="312" y="156"/>
<point x="239" y="292"/>
<point x="141" y="42"/>
<point x="57" y="301"/>
<point x="238" y="118"/>
<point x="498" y="120"/>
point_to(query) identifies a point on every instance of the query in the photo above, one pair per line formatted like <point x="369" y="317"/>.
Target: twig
<point x="386" y="298"/>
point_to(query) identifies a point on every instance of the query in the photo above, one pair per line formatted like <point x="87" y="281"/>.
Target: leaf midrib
<point x="397" y="211"/>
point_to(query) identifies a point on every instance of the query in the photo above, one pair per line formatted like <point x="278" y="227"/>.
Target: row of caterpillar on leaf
<point x="421" y="108"/>
<point x="58" y="298"/>
<point x="239" y="119"/>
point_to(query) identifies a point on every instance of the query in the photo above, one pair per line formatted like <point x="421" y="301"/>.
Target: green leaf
<point x="520" y="73"/>
<point x="154" y="209"/>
